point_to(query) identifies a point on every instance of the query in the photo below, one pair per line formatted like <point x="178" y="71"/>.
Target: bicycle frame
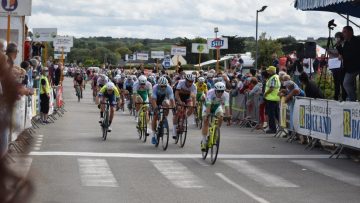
<point x="214" y="120"/>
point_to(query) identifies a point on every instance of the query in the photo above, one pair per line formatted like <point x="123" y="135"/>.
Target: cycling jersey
<point x="128" y="85"/>
<point x="201" y="89"/>
<point x="101" y="82"/>
<point x="143" y="90"/>
<point x="111" y="97"/>
<point x="160" y="94"/>
<point x="215" y="102"/>
<point x="185" y="91"/>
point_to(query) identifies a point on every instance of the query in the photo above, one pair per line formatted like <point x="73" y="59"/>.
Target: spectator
<point x="11" y="52"/>
<point x="308" y="66"/>
<point x="3" y="45"/>
<point x="338" y="73"/>
<point x="272" y="98"/>
<point x="44" y="95"/>
<point x="350" y="55"/>
<point x="311" y="89"/>
<point x="297" y="68"/>
<point x="275" y="62"/>
<point x="57" y="75"/>
<point x="291" y="91"/>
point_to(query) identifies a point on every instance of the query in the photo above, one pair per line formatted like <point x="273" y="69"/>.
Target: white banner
<point x="217" y="43"/>
<point x="61" y="41"/>
<point x="199" y="48"/>
<point x="157" y="54"/>
<point x="175" y="50"/>
<point x="16" y="7"/>
<point x="142" y="56"/>
<point x="44" y="34"/>
<point x="60" y="49"/>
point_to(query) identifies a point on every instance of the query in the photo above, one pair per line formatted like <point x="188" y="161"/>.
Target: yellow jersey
<point x="201" y="88"/>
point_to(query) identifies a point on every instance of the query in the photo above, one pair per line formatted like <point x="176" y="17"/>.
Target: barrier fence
<point x="328" y="120"/>
<point x="26" y="114"/>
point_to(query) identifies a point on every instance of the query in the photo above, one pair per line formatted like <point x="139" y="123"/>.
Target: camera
<point x="331" y="24"/>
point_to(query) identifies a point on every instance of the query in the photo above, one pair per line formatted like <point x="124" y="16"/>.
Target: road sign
<point x="167" y="62"/>
<point x="217" y="43"/>
<point x="61" y="41"/>
<point x="15" y="7"/>
<point x="44" y="34"/>
<point x="142" y="56"/>
<point x="175" y="50"/>
<point x="157" y="54"/>
<point x="199" y="48"/>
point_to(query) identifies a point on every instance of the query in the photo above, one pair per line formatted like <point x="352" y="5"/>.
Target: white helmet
<point x="190" y="77"/>
<point x="220" y="86"/>
<point x="163" y="81"/>
<point x="201" y="79"/>
<point x="110" y="86"/>
<point x="142" y="79"/>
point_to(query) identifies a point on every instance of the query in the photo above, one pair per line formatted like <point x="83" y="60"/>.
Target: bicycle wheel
<point x="200" y="115"/>
<point x="78" y="93"/>
<point x="139" y="129"/>
<point x="105" y="125"/>
<point x="164" y="135"/>
<point x="182" y="136"/>
<point x="205" y="153"/>
<point x="178" y="129"/>
<point x="196" y="117"/>
<point x="215" y="146"/>
<point x="144" y="127"/>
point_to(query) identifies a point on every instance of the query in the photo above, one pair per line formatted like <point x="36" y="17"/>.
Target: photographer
<point x="339" y="73"/>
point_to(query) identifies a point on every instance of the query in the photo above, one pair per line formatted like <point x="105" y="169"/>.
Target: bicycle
<point x="213" y="139"/>
<point x="142" y="123"/>
<point x="198" y="114"/>
<point x="181" y="130"/>
<point x="105" y="123"/>
<point x="78" y="92"/>
<point x="162" y="130"/>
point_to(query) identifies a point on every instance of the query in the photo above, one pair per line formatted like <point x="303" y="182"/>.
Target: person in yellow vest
<point x="44" y="95"/>
<point x="272" y="98"/>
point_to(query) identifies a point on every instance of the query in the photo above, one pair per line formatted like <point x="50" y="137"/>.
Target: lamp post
<point x="216" y="30"/>
<point x="257" y="48"/>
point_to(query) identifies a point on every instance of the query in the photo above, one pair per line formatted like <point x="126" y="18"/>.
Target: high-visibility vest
<point x="47" y="86"/>
<point x="273" y="96"/>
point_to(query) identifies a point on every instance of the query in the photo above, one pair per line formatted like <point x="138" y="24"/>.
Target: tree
<point x="123" y="51"/>
<point x="137" y="47"/>
<point x="266" y="48"/>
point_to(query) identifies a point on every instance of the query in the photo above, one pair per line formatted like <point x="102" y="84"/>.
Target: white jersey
<point x="185" y="89"/>
<point x="212" y="99"/>
<point x="101" y="81"/>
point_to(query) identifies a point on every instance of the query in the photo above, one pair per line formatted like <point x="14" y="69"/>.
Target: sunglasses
<point x="220" y="91"/>
<point x="189" y="81"/>
<point x="143" y="84"/>
<point x="163" y="86"/>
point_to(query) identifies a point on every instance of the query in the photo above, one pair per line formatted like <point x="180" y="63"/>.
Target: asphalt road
<point x="70" y="163"/>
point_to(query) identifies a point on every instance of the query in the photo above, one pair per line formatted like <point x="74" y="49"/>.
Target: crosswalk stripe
<point x="177" y="174"/>
<point x="338" y="174"/>
<point x="259" y="175"/>
<point x="96" y="173"/>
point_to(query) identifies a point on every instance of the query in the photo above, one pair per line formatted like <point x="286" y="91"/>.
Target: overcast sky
<point x="159" y="19"/>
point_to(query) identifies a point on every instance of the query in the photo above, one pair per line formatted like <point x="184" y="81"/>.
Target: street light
<point x="216" y="30"/>
<point x="257" y="48"/>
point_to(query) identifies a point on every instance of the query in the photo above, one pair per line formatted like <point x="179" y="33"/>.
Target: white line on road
<point x="36" y="148"/>
<point x="259" y="175"/>
<point x="96" y="173"/>
<point x="178" y="174"/>
<point x="244" y="190"/>
<point x="177" y="156"/>
<point x="201" y="162"/>
<point x="338" y="174"/>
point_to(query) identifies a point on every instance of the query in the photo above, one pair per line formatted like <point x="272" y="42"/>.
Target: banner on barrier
<point x="283" y="109"/>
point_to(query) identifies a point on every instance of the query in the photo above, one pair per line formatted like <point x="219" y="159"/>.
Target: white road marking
<point x="242" y="189"/>
<point x="36" y="148"/>
<point x="21" y="166"/>
<point x="96" y="173"/>
<point x="338" y="174"/>
<point x="178" y="174"/>
<point x="37" y="145"/>
<point x="259" y="175"/>
<point x="40" y="136"/>
<point x="201" y="162"/>
<point x="177" y="156"/>
<point x="39" y="142"/>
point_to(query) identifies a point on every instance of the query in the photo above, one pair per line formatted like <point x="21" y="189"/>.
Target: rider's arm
<point x="227" y="104"/>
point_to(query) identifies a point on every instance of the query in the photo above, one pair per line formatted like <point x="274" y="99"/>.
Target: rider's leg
<point x="175" y="121"/>
<point x="219" y="113"/>
<point x="190" y="110"/>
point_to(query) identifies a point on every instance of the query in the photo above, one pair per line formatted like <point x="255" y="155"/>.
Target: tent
<point x="207" y="63"/>
<point x="345" y="7"/>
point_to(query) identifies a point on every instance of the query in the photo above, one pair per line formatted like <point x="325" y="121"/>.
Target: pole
<point x="45" y="52"/>
<point x="177" y="64"/>
<point x="217" y="59"/>
<point x="199" y="61"/>
<point x="62" y="55"/>
<point x="157" y="66"/>
<point x="256" y="41"/>
<point x="8" y="28"/>
<point x="347" y="19"/>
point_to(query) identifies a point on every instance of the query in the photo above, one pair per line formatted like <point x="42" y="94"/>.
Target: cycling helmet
<point x="190" y="77"/>
<point x="123" y="75"/>
<point x="110" y="86"/>
<point x="201" y="79"/>
<point x="142" y="79"/>
<point x="163" y="81"/>
<point x="220" y="86"/>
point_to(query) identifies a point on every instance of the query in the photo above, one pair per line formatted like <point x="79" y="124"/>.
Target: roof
<point x="206" y="63"/>
<point x="348" y="7"/>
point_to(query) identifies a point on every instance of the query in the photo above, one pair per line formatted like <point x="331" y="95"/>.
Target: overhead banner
<point x="199" y="48"/>
<point x="175" y="50"/>
<point x="15" y="7"/>
<point x="157" y="54"/>
<point x="60" y="49"/>
<point x="44" y="34"/>
<point x="142" y="56"/>
<point x="61" y="41"/>
<point x="217" y="43"/>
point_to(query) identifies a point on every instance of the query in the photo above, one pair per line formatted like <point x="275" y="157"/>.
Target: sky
<point x="159" y="19"/>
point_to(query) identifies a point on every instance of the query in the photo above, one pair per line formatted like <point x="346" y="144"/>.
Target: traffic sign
<point x="9" y="5"/>
<point x="167" y="62"/>
<point x="16" y="7"/>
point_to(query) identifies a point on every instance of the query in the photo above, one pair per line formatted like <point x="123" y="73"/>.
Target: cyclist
<point x="128" y="89"/>
<point x="215" y="100"/>
<point x="110" y="92"/>
<point x="142" y="90"/>
<point x="78" y="82"/>
<point x="201" y="89"/>
<point x="185" y="94"/>
<point x="162" y="96"/>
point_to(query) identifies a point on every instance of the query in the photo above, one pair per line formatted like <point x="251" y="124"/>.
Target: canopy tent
<point x="207" y="63"/>
<point x="346" y="7"/>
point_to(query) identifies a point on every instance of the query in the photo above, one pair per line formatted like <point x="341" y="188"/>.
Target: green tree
<point x="266" y="48"/>
<point x="123" y="51"/>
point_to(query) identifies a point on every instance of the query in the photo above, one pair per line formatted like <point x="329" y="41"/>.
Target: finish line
<point x="176" y="156"/>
